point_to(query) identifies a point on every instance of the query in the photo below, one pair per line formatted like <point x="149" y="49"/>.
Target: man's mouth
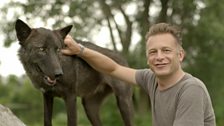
<point x="160" y="65"/>
<point x="49" y="81"/>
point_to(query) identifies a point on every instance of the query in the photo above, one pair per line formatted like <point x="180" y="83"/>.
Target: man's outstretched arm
<point x="99" y="61"/>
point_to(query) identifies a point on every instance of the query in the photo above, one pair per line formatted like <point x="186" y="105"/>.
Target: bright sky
<point x="10" y="63"/>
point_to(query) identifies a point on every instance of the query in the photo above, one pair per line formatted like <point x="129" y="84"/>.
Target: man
<point x="177" y="98"/>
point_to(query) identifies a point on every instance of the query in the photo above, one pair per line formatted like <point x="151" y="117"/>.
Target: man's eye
<point x="151" y="52"/>
<point x="166" y="50"/>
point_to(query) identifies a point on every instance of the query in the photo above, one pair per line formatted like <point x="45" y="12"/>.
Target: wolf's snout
<point x="58" y="73"/>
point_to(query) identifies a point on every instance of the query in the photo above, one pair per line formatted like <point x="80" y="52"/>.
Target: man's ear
<point x="22" y="30"/>
<point x="64" y="31"/>
<point x="181" y="55"/>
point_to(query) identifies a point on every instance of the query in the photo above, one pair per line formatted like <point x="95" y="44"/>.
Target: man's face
<point x="164" y="55"/>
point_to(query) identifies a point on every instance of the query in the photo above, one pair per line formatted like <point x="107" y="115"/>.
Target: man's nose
<point x="160" y="55"/>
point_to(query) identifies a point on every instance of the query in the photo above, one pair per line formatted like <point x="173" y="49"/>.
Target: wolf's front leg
<point x="48" y="107"/>
<point x="70" y="102"/>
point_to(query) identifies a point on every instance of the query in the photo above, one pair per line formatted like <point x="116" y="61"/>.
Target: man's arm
<point x="99" y="61"/>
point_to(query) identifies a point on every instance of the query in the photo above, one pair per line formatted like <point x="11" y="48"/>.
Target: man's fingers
<point x="67" y="41"/>
<point x="66" y="51"/>
<point x="72" y="47"/>
<point x="68" y="36"/>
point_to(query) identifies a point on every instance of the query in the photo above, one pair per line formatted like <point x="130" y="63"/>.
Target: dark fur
<point x="57" y="75"/>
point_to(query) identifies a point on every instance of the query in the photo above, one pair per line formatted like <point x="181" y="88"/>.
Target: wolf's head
<point x="40" y="50"/>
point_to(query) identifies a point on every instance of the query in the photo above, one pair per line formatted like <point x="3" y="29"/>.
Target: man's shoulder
<point x="145" y="75"/>
<point x="192" y="86"/>
<point x="192" y="81"/>
<point x="145" y="78"/>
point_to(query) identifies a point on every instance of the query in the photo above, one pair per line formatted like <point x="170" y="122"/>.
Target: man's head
<point x="164" y="49"/>
<point x="165" y="28"/>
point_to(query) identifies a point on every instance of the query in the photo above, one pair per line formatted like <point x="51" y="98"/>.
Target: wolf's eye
<point x="41" y="49"/>
<point x="58" y="50"/>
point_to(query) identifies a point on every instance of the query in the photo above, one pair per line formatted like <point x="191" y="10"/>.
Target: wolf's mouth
<point x="49" y="81"/>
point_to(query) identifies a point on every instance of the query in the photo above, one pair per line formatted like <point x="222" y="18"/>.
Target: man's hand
<point x="73" y="48"/>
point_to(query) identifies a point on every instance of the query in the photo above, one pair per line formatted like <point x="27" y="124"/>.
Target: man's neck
<point x="169" y="81"/>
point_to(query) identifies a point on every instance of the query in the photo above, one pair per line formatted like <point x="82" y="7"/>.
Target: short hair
<point x="165" y="28"/>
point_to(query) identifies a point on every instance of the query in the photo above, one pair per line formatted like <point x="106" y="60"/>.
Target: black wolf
<point x="68" y="77"/>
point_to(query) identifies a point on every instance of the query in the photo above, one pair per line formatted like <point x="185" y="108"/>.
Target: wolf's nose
<point x="58" y="73"/>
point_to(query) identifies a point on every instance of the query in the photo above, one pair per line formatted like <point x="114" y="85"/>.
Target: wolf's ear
<point x="22" y="30"/>
<point x="64" y="31"/>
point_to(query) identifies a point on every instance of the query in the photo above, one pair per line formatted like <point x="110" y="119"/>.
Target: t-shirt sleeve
<point x="144" y="78"/>
<point x="190" y="108"/>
